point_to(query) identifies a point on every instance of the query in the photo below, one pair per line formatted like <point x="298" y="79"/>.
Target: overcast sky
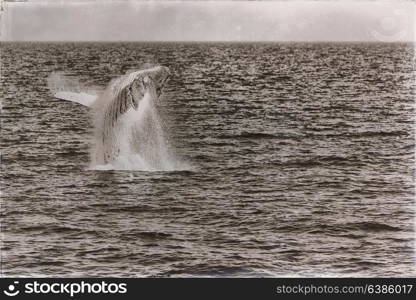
<point x="209" y="21"/>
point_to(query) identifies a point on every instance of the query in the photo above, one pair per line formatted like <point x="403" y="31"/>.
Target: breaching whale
<point x="125" y="118"/>
<point x="122" y="89"/>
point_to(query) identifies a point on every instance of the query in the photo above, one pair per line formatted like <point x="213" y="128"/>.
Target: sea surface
<point x="301" y="163"/>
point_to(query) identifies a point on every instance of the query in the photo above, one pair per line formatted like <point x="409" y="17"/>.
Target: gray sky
<point x="209" y="21"/>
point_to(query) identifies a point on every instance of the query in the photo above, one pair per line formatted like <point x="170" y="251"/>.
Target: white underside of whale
<point x="81" y="98"/>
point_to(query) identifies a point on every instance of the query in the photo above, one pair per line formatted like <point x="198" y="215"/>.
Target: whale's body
<point x="125" y="117"/>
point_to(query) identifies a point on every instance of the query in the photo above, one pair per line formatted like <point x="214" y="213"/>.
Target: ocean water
<point x="299" y="161"/>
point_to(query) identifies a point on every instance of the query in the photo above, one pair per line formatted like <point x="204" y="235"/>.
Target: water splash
<point x="138" y="138"/>
<point x="60" y="82"/>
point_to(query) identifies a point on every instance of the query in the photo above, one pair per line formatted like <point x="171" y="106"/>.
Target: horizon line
<point x="206" y="41"/>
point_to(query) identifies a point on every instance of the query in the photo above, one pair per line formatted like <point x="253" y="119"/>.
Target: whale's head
<point x="129" y="90"/>
<point x="159" y="76"/>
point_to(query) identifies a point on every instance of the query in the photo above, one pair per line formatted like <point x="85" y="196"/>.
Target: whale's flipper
<point x="81" y="98"/>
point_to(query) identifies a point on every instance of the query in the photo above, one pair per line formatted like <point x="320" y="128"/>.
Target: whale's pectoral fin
<point x="81" y="98"/>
